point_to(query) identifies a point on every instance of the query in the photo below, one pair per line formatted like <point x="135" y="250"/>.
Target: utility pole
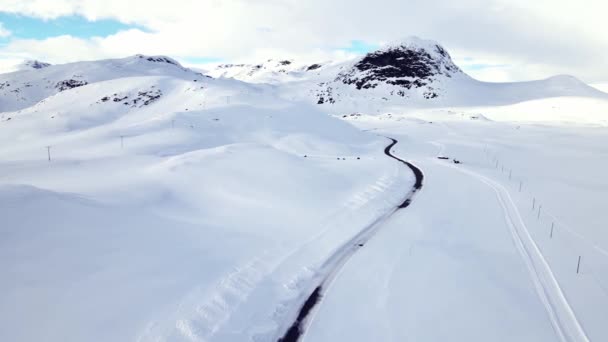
<point x="48" y="152"/>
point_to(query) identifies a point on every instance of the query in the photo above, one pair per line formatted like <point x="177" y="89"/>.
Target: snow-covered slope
<point x="24" y="88"/>
<point x="601" y="86"/>
<point x="33" y="64"/>
<point x="490" y="247"/>
<point x="12" y="65"/>
<point x="143" y="202"/>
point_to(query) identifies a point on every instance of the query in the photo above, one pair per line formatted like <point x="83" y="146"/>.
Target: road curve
<point x="298" y="328"/>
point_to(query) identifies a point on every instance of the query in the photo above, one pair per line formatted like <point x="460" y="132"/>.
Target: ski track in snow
<point x="562" y="316"/>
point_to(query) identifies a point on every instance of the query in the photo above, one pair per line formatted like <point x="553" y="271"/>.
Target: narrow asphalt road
<point x="297" y="328"/>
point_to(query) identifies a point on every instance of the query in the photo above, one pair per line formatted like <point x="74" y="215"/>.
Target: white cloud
<point x="56" y="50"/>
<point x="9" y="64"/>
<point x="534" y="38"/>
<point x="4" y="32"/>
<point x="601" y="86"/>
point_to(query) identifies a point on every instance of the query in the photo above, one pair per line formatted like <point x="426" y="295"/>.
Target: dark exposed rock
<point x="325" y="95"/>
<point x="405" y="67"/>
<point x="398" y="63"/>
<point x="158" y="59"/>
<point x="150" y="96"/>
<point x="70" y="84"/>
<point x="228" y="66"/>
<point x="143" y="98"/>
<point x="36" y="64"/>
<point x="430" y="95"/>
<point x="313" y="67"/>
<point x="161" y="60"/>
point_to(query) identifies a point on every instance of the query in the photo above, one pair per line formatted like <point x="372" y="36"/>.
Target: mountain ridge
<point x="409" y="72"/>
<point x="412" y="72"/>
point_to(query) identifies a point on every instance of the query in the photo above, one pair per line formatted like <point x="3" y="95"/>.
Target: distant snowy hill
<point x="37" y="81"/>
<point x="12" y="65"/>
<point x="32" y="64"/>
<point x="271" y="71"/>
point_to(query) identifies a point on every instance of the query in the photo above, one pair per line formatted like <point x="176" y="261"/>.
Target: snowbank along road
<point x="338" y="259"/>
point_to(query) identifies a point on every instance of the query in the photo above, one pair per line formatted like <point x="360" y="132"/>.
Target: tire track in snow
<point x="335" y="263"/>
<point x="562" y="316"/>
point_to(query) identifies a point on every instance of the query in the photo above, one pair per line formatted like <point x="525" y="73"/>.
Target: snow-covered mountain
<point x="421" y="73"/>
<point x="413" y="69"/>
<point x="32" y="64"/>
<point x="38" y="81"/>
<point x="12" y="65"/>
<point x="412" y="72"/>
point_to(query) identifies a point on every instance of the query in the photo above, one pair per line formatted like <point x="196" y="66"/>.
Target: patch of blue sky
<point x="24" y="27"/>
<point x="201" y="60"/>
<point x="360" y="47"/>
<point x="481" y="66"/>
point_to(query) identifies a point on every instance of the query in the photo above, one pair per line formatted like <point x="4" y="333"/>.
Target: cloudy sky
<point x="495" y="40"/>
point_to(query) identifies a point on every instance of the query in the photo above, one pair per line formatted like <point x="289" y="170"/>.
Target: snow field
<point x="193" y="217"/>
<point x="574" y="301"/>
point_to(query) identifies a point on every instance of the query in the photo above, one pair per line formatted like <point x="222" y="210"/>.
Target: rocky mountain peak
<point x="159" y="59"/>
<point x="410" y="63"/>
<point x="33" y="64"/>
